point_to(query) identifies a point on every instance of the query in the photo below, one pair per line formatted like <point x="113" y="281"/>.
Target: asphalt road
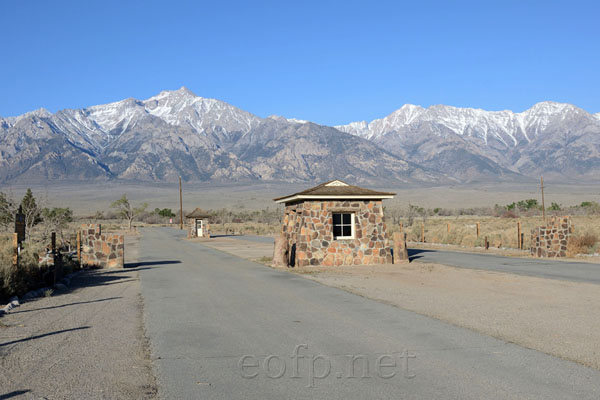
<point x="542" y="268"/>
<point x="250" y="238"/>
<point x="211" y="317"/>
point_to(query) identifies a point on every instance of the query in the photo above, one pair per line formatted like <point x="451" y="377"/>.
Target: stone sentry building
<point x="336" y="224"/>
<point x="198" y="225"/>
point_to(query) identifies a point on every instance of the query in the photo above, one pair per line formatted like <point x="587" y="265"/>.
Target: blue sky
<point x="325" y="61"/>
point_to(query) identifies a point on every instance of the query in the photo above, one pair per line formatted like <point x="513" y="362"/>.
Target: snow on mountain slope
<point x="40" y="112"/>
<point x="96" y="127"/>
<point x="506" y="127"/>
<point x="182" y="107"/>
<point x="177" y="133"/>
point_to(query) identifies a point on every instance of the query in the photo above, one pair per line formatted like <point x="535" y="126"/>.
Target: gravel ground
<point x="555" y="317"/>
<point x="85" y="343"/>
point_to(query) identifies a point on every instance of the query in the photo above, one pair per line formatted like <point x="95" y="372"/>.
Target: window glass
<point x="342" y="225"/>
<point x="337" y="219"/>
<point x="346" y="230"/>
<point x="337" y="230"/>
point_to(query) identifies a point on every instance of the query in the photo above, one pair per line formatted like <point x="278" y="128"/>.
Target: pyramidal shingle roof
<point x="198" y="213"/>
<point x="335" y="189"/>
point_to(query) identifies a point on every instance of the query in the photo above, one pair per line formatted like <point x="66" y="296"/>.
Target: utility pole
<point x="543" y="203"/>
<point x="180" y="206"/>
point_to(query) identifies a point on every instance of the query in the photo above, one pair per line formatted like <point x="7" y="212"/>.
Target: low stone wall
<point x="101" y="250"/>
<point x="551" y="240"/>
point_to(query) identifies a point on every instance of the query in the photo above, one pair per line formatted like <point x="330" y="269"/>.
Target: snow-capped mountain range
<point x="177" y="133"/>
<point x="507" y="127"/>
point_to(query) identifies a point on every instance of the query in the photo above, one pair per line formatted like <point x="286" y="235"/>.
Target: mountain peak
<point x="550" y="107"/>
<point x="184" y="90"/>
<point x="40" y="112"/>
<point x="181" y="93"/>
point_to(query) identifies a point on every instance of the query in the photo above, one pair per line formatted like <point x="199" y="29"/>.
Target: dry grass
<point x="16" y="281"/>
<point x="586" y="243"/>
<point x="501" y="232"/>
<point x="245" y="228"/>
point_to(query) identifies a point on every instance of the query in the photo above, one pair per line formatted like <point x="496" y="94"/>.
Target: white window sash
<point x="352" y="227"/>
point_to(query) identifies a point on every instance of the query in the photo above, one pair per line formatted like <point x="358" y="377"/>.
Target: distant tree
<point x="126" y="210"/>
<point x="395" y="214"/>
<point x="56" y="219"/>
<point x="590" y="206"/>
<point x="7" y="210"/>
<point x="32" y="212"/>
<point x="528" y="204"/>
<point x="554" y="207"/>
<point x="165" y="212"/>
<point x="415" y="211"/>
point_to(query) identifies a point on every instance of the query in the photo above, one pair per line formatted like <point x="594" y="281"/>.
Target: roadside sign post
<point x="20" y="225"/>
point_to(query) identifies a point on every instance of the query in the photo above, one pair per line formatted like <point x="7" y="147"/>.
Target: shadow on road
<point x="66" y="305"/>
<point x="150" y="263"/>
<point x="220" y="236"/>
<point x="13" y="394"/>
<point x="43" y="335"/>
<point x="413" y="254"/>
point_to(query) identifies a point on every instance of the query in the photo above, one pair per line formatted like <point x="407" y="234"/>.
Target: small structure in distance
<point x="335" y="223"/>
<point x="198" y="224"/>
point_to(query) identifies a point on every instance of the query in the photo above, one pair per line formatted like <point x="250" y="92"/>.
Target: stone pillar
<point x="400" y="250"/>
<point x="280" y="252"/>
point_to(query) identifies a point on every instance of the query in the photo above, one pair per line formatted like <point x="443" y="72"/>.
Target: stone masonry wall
<point x="309" y="225"/>
<point x="101" y="250"/>
<point x="551" y="240"/>
<point x="192" y="232"/>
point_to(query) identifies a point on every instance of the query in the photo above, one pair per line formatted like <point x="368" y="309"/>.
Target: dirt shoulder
<point x="552" y="316"/>
<point x="87" y="342"/>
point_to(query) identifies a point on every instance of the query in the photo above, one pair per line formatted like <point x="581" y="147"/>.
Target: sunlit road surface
<point x="221" y="327"/>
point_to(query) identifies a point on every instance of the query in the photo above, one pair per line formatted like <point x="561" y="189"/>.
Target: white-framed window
<point x="343" y="225"/>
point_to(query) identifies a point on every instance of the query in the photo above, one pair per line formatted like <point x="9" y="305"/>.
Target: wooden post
<point x="519" y="244"/>
<point x="16" y="250"/>
<point x="54" y="258"/>
<point x="423" y="232"/>
<point x="543" y="203"/>
<point x="79" y="248"/>
<point x="478" y="229"/>
<point x="448" y="227"/>
<point x="180" y="206"/>
<point x="522" y="240"/>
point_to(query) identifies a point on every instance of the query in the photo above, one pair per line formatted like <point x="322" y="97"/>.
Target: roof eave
<point x="289" y="199"/>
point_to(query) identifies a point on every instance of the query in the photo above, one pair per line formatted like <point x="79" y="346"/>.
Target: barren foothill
<point x="552" y="316"/>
